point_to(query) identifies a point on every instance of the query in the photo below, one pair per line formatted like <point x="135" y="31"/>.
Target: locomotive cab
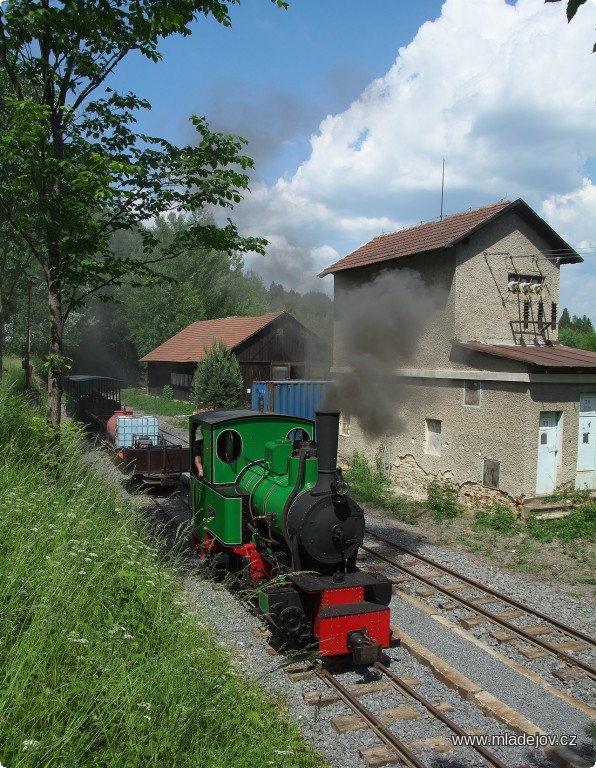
<point x="274" y="507"/>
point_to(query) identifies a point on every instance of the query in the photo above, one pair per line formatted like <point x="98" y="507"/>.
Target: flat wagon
<point x="139" y="448"/>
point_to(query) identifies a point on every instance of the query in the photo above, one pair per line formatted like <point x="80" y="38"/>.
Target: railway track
<point x="385" y="734"/>
<point x="393" y="749"/>
<point x="489" y="605"/>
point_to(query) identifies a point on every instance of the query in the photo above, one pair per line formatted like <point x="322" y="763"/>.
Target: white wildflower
<point x="88" y="560"/>
<point x="82" y="572"/>
<point x="144" y="705"/>
<point x="30" y="744"/>
<point x="127" y="637"/>
<point x="147" y="717"/>
<point x="72" y="637"/>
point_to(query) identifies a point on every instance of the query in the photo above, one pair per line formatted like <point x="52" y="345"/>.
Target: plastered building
<point x="490" y="398"/>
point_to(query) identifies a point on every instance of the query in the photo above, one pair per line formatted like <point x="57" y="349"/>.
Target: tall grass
<point x="158" y="406"/>
<point x="371" y="486"/>
<point x="100" y="662"/>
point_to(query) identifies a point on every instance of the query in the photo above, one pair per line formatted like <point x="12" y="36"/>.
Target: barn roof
<point x="552" y="355"/>
<point x="188" y="346"/>
<point x="440" y="235"/>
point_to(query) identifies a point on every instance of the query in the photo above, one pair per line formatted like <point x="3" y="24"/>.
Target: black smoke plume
<point x="378" y="328"/>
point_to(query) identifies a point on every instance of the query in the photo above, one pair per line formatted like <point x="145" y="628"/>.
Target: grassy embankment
<point x="100" y="663"/>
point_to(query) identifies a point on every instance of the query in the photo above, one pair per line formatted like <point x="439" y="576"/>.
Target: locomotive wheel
<point x="292" y="621"/>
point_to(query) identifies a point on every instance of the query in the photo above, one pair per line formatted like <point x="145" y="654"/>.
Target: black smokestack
<point x="327" y="432"/>
<point x="379" y="325"/>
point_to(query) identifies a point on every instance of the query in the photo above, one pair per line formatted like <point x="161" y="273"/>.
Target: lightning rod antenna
<point x="442" y="188"/>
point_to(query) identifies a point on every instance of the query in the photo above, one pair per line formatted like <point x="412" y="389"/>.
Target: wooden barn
<point x="270" y="347"/>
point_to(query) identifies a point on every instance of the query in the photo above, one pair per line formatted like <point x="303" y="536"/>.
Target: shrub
<point x="496" y="516"/>
<point x="217" y="382"/>
<point x="579" y="524"/>
<point x="375" y="488"/>
<point x="168" y="392"/>
<point x="442" y="499"/>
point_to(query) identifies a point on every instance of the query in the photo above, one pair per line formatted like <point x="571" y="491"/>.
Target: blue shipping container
<point x="294" y="397"/>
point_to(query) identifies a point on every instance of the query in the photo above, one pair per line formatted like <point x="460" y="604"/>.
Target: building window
<point x="432" y="437"/>
<point x="472" y="391"/>
<point x="181" y="380"/>
<point x="280" y="372"/>
<point x="344" y="424"/>
<point x="491" y="473"/>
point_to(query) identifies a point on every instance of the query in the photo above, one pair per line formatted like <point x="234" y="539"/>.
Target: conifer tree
<point x="217" y="383"/>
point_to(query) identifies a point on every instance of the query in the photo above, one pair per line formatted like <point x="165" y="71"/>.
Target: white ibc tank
<point x="129" y="428"/>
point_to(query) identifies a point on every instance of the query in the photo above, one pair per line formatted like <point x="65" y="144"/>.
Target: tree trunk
<point x="54" y="412"/>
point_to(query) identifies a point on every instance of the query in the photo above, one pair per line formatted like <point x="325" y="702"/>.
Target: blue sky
<point x="349" y="110"/>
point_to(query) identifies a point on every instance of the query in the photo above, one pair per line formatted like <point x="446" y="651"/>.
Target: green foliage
<point x="199" y="284"/>
<point x="577" y="339"/>
<point x="580" y="523"/>
<point x="496" y="516"/>
<point x="168" y="392"/>
<point x="217" y="382"/>
<point x="102" y="660"/>
<point x="72" y="169"/>
<point x="370" y="486"/>
<point x="577" y="331"/>
<point x="590" y="731"/>
<point x="442" y="499"/>
<point x="156" y="406"/>
<point x="581" y="324"/>
<point x="313" y="309"/>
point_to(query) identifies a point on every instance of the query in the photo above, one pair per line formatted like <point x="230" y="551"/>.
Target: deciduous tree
<point x="83" y="171"/>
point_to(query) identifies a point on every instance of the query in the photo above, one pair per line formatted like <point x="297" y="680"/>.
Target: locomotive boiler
<point x="273" y="506"/>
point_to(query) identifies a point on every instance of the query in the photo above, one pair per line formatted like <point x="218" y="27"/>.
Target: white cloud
<point x="573" y="216"/>
<point x="504" y="93"/>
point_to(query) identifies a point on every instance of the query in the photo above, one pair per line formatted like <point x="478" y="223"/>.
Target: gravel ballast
<point x="231" y="621"/>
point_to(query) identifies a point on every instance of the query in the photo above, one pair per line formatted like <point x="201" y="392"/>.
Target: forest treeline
<point x="109" y="337"/>
<point x="577" y="331"/>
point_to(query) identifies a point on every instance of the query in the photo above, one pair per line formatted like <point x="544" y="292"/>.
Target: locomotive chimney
<point x="327" y="425"/>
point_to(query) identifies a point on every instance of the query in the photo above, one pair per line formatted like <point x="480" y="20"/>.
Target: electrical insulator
<point x="553" y="316"/>
<point x="526" y="314"/>
<point x="540" y="315"/>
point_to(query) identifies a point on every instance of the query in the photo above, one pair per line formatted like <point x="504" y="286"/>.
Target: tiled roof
<point x="438" y="235"/>
<point x="189" y="345"/>
<point x="545" y="356"/>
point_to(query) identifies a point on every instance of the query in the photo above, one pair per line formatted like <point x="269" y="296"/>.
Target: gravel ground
<point x="230" y="622"/>
<point x="522" y="587"/>
<point x="541" y="597"/>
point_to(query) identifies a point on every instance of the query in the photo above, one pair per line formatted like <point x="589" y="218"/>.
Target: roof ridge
<point x="437" y="220"/>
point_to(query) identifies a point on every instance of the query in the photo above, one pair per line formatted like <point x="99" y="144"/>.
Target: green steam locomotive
<point x="273" y="506"/>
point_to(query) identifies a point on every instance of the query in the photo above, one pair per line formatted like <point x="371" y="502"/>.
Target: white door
<point x="586" y="445"/>
<point x="548" y="443"/>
